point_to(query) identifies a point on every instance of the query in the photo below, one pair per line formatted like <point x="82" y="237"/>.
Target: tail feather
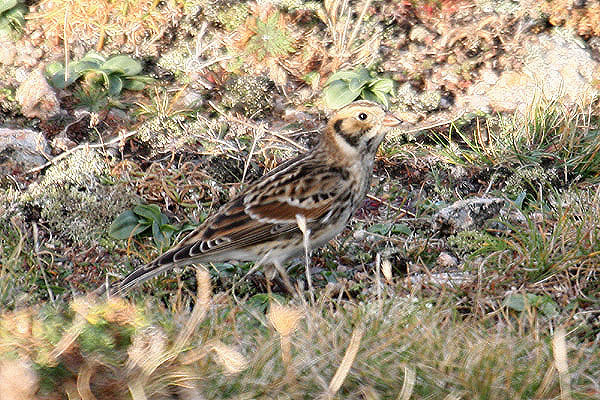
<point x="142" y="274"/>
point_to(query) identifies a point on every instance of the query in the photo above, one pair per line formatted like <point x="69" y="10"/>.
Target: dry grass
<point x="399" y="349"/>
<point x="93" y="22"/>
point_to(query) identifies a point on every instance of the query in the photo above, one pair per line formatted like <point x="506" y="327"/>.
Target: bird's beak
<point x="391" y="120"/>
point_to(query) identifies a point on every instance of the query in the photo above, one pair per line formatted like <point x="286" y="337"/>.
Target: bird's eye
<point x="362" y="116"/>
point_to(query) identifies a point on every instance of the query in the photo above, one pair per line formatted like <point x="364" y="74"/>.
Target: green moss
<point x="8" y="104"/>
<point x="299" y="5"/>
<point x="269" y="39"/>
<point x="529" y="179"/>
<point x="229" y="14"/>
<point x="176" y="58"/>
<point x="467" y="242"/>
<point x="249" y="95"/>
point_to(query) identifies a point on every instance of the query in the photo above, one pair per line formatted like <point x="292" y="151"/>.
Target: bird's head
<point x="359" y="127"/>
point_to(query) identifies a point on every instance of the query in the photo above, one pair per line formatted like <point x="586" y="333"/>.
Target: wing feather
<point x="264" y="213"/>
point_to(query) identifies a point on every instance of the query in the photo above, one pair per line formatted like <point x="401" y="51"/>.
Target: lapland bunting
<point x="322" y="187"/>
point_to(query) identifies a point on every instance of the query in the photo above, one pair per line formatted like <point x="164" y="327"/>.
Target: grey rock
<point x="556" y="65"/>
<point x="468" y="214"/>
<point x="23" y="147"/>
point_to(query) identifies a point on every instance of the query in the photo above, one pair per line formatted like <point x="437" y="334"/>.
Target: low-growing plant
<point x="12" y="16"/>
<point x="144" y="219"/>
<point x="112" y="74"/>
<point x="269" y="39"/>
<point x="521" y="302"/>
<point x="344" y="87"/>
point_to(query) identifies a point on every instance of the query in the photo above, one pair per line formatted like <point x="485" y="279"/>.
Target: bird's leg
<point x="284" y="276"/>
<point x="301" y="221"/>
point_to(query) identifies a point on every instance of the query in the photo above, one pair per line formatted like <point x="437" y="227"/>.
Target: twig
<point x="423" y="128"/>
<point x="254" y="126"/>
<point x="79" y="147"/>
<point x="257" y="137"/>
<point x="358" y="23"/>
<point x="370" y="196"/>
<point x="36" y="245"/>
<point x="301" y="221"/>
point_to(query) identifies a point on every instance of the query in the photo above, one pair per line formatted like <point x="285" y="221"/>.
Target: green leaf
<point x="133" y="85"/>
<point x="93" y="58"/>
<point x="520" y="199"/>
<point x="53" y="68"/>
<point x="122" y="64"/>
<point x="516" y="302"/>
<point x="115" y="85"/>
<point x="401" y="228"/>
<point x="7" y="5"/>
<point x="16" y="16"/>
<point x="382" y="85"/>
<point x="363" y="75"/>
<point x="261" y="301"/>
<point x="148" y="211"/>
<point x="369" y="95"/>
<point x="5" y="26"/>
<point x="58" y="80"/>
<point x="381" y="229"/>
<point x="81" y="67"/>
<point x="355" y="86"/>
<point x="548" y="306"/>
<point x="168" y="228"/>
<point x="311" y="77"/>
<point x="338" y="95"/>
<point x="76" y="70"/>
<point x="160" y="239"/>
<point x="341" y="75"/>
<point x="382" y="98"/>
<point x="378" y="97"/>
<point x="126" y="225"/>
<point x="137" y="82"/>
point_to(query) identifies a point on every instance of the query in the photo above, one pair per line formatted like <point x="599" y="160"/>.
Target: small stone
<point x="62" y="143"/>
<point x="37" y="98"/>
<point x="557" y="64"/>
<point x="446" y="260"/>
<point x="468" y="214"/>
<point x="359" y="234"/>
<point x="419" y="34"/>
<point x="8" y="52"/>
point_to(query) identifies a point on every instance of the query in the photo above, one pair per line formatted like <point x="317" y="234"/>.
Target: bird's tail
<point x="141" y="275"/>
<point x="161" y="264"/>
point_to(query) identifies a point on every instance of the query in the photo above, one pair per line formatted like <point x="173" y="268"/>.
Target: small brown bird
<point x="322" y="187"/>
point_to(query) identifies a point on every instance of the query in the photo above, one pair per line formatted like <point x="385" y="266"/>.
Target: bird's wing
<point x="263" y="213"/>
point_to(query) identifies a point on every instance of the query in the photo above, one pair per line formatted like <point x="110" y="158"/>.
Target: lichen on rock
<point x="167" y="133"/>
<point x="250" y="95"/>
<point x="75" y="199"/>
